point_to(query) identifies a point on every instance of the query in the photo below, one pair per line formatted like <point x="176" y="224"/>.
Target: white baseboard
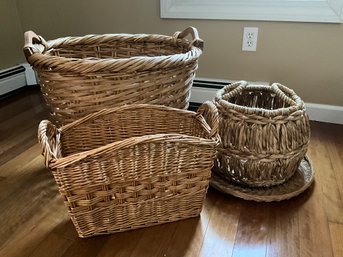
<point x="325" y="113"/>
<point x="316" y="112"/>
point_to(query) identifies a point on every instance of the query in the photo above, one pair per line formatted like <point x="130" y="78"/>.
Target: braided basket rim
<point x="296" y="104"/>
<point x="63" y="161"/>
<point x="94" y="64"/>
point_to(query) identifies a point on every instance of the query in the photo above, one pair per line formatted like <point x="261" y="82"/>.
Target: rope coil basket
<point x="132" y="166"/>
<point x="264" y="132"/>
<point x="80" y="75"/>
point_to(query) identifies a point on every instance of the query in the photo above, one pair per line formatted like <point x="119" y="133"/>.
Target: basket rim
<point x="126" y="143"/>
<point x="296" y="104"/>
<point x="107" y="111"/>
<point x="111" y="37"/>
<point x="39" y="59"/>
<point x="52" y="162"/>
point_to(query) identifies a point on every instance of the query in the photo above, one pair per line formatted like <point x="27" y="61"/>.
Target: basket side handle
<point x="210" y="112"/>
<point x="196" y="40"/>
<point x="49" y="139"/>
<point x="233" y="89"/>
<point x="291" y="98"/>
<point x="33" y="43"/>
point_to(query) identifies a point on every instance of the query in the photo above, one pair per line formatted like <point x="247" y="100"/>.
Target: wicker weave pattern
<point x="80" y="75"/>
<point x="264" y="131"/>
<point x="131" y="166"/>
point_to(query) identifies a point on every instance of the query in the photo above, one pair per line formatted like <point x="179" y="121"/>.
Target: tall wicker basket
<point x="80" y="75"/>
<point x="264" y="131"/>
<point x="132" y="166"/>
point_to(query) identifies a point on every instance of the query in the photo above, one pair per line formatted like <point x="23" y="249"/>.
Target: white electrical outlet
<point x="250" y="39"/>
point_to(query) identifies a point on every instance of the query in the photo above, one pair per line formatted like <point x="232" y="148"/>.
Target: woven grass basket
<point x="264" y="132"/>
<point x="132" y="166"/>
<point x="80" y="75"/>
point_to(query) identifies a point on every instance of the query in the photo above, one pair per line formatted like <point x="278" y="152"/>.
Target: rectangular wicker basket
<point x="132" y="166"/>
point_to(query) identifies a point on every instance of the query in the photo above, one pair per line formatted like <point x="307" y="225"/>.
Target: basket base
<point x="81" y="235"/>
<point x="297" y="184"/>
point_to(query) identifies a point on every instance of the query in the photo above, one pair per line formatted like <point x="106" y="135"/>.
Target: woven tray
<point x="297" y="184"/>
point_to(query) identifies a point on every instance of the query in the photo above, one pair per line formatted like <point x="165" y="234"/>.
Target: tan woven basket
<point x="131" y="166"/>
<point x="80" y="75"/>
<point x="264" y="131"/>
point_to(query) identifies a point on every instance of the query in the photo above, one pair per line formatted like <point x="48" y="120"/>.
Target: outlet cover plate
<point x="250" y="35"/>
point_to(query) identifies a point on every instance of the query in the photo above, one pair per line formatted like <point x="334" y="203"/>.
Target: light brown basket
<point x="131" y="166"/>
<point x="264" y="131"/>
<point x="80" y="75"/>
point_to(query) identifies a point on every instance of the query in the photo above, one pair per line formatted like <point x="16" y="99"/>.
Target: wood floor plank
<point x="14" y="165"/>
<point x="31" y="232"/>
<point x="251" y="237"/>
<point x="283" y="228"/>
<point x="324" y="158"/>
<point x="66" y="227"/>
<point x="313" y="227"/>
<point x="335" y="149"/>
<point x="81" y="247"/>
<point x="16" y="120"/>
<point x="159" y="236"/>
<point x="336" y="233"/>
<point x="27" y="99"/>
<point x="121" y="244"/>
<point x="17" y="149"/>
<point x="53" y="244"/>
<point x="189" y="235"/>
<point x="221" y="233"/>
<point x="32" y="178"/>
<point x="19" y="131"/>
<point x="35" y="206"/>
<point x="30" y="192"/>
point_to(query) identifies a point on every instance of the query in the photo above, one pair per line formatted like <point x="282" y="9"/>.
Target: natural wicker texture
<point x="132" y="166"/>
<point x="80" y="75"/>
<point x="295" y="185"/>
<point x="264" y="131"/>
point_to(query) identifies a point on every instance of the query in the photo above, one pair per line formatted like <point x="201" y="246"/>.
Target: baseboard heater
<point x="16" y="77"/>
<point x="204" y="90"/>
<point x="12" y="79"/>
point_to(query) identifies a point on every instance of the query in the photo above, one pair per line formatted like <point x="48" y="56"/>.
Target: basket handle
<point x="210" y="112"/>
<point x="33" y="43"/>
<point x="196" y="40"/>
<point x="292" y="98"/>
<point x="234" y="89"/>
<point x="48" y="137"/>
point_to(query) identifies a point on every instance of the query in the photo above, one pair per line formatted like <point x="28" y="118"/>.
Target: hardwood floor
<point x="35" y="223"/>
